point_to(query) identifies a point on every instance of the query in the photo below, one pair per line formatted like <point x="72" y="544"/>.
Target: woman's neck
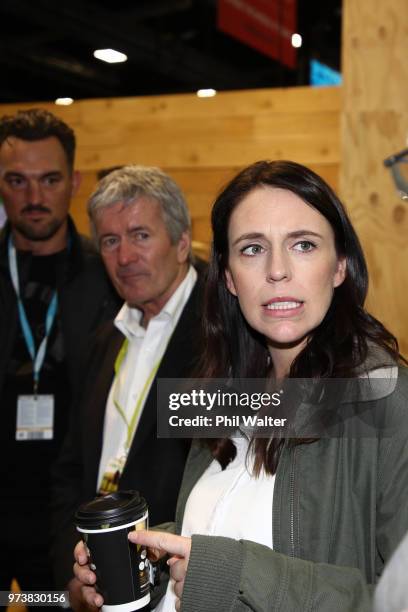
<point x="283" y="358"/>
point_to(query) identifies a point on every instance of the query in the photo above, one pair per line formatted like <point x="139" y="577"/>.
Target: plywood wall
<point x="202" y="143"/>
<point x="374" y="125"/>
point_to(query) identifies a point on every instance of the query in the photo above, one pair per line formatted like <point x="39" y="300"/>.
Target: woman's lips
<point x="283" y="307"/>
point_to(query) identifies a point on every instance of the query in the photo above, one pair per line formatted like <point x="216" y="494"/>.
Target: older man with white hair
<point x="142" y="227"/>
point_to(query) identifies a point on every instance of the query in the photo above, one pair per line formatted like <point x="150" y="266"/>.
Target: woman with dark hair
<point x="278" y="523"/>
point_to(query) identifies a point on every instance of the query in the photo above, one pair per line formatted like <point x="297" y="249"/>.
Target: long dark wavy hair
<point x="338" y="347"/>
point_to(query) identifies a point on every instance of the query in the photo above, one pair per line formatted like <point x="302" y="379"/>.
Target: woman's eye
<point x="304" y="246"/>
<point x="252" y="249"/>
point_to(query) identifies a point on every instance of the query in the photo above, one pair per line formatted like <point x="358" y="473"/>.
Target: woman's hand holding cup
<point x="159" y="544"/>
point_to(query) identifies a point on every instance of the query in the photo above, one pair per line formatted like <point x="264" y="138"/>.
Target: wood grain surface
<point x="374" y="125"/>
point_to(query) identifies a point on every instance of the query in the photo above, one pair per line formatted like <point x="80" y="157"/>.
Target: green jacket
<point x="340" y="508"/>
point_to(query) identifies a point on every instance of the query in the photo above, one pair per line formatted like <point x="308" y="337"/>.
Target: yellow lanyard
<point x="132" y="423"/>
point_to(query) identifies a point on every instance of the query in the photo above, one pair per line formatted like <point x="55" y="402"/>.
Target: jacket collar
<point x="380" y="382"/>
<point x="378" y="375"/>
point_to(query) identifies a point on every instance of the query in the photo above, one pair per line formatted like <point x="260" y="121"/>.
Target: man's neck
<point x="152" y="309"/>
<point x="55" y="244"/>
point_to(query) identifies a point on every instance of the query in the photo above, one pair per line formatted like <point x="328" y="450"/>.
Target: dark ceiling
<point x="172" y="46"/>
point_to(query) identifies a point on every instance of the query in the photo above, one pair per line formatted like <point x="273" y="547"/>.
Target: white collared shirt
<point x="144" y="352"/>
<point x="231" y="503"/>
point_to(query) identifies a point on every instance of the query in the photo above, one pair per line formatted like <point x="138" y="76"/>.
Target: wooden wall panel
<point x="202" y="143"/>
<point x="78" y="206"/>
<point x="117" y="111"/>
<point x="374" y="124"/>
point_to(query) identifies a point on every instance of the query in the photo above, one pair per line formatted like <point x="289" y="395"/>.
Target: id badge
<point x="110" y="478"/>
<point x="35" y="417"/>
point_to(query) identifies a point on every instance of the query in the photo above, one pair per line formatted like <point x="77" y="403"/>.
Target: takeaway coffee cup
<point x="122" y="568"/>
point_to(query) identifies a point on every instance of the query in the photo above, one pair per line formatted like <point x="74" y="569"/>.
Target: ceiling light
<point x="110" y="55"/>
<point x="296" y="40"/>
<point x="206" y="93"/>
<point x="64" y="101"/>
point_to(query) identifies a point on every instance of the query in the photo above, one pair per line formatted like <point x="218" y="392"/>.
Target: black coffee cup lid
<point x="118" y="508"/>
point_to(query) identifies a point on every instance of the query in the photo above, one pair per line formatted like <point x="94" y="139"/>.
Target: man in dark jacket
<point x="53" y="293"/>
<point x="142" y="226"/>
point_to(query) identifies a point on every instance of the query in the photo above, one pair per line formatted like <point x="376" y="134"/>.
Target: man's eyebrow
<point x="17" y="173"/>
<point x="295" y="234"/>
<point x="139" y="228"/>
<point x="135" y="228"/>
<point x="51" y="174"/>
<point x="106" y="235"/>
<point x="11" y="173"/>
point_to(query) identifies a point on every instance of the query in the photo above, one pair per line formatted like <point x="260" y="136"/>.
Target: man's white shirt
<point x="145" y="350"/>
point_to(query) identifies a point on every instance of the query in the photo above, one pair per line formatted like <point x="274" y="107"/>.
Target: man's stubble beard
<point x="41" y="233"/>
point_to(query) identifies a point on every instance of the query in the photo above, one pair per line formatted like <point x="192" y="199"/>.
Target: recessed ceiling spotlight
<point x="64" y="101"/>
<point x="296" y="40"/>
<point x="110" y="55"/>
<point x="206" y="93"/>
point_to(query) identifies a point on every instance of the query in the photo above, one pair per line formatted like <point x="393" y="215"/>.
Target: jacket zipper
<point x="292" y="503"/>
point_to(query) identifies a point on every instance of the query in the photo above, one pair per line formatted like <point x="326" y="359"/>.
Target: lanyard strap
<point x="37" y="357"/>
<point x="131" y="425"/>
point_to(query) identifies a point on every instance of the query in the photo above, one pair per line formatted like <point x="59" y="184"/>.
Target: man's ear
<point x="341" y="271"/>
<point x="230" y="282"/>
<point x="76" y="182"/>
<point x="183" y="247"/>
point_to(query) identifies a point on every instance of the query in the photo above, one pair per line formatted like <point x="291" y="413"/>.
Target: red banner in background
<point x="265" y="25"/>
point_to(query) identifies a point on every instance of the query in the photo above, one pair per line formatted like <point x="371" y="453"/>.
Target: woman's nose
<point x="278" y="267"/>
